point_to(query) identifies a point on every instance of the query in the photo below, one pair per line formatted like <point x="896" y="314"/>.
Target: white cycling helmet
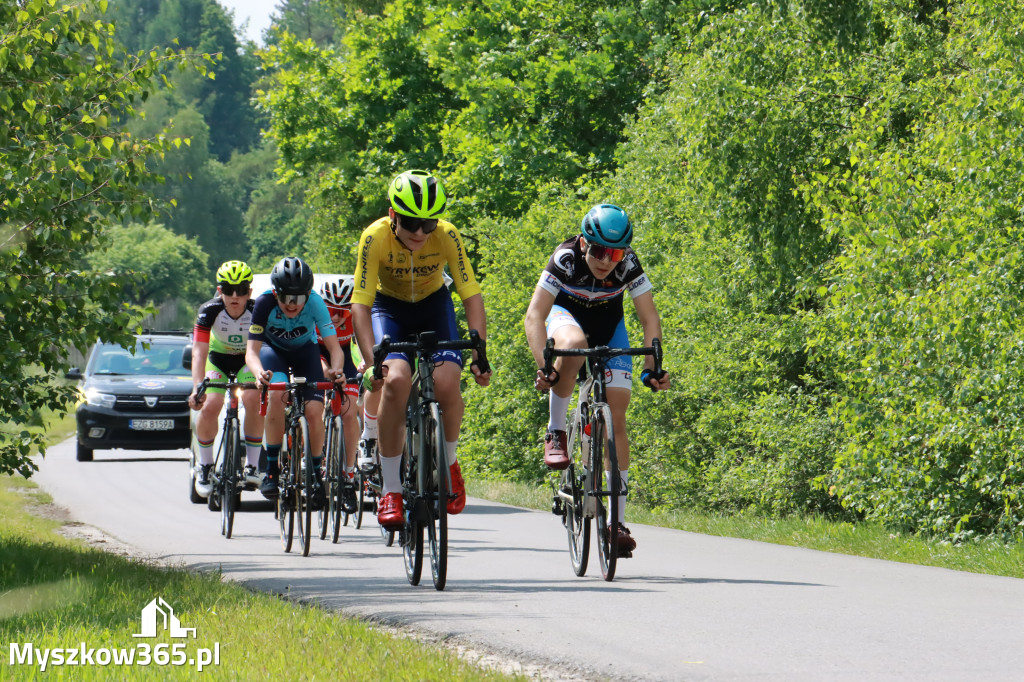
<point x="337" y="292"/>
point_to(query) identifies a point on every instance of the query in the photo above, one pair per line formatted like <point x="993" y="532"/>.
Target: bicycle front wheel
<point x="330" y="516"/>
<point x="573" y="496"/>
<point x="411" y="535"/>
<point x="304" y="498"/>
<point x="436" y="463"/>
<point x="605" y="489"/>
<point x="229" y="478"/>
<point x="287" y="502"/>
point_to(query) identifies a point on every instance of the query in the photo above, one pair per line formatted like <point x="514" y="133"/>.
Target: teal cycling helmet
<point x="607" y="225"/>
<point x="417" y="194"/>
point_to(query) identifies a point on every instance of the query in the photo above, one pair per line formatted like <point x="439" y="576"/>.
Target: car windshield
<point x="159" y="358"/>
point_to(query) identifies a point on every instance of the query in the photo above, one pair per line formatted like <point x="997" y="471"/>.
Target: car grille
<point x="166" y="404"/>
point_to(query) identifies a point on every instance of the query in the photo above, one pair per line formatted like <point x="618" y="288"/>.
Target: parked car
<point x="134" y="400"/>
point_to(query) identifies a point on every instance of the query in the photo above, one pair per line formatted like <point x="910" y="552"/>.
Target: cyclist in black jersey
<point x="578" y="303"/>
<point x="218" y="349"/>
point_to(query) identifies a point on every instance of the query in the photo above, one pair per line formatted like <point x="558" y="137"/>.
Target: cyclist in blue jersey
<point x="578" y="303"/>
<point x="283" y="338"/>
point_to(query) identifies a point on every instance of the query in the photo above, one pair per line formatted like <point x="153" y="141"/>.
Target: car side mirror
<point x="74" y="373"/>
<point x="186" y="357"/>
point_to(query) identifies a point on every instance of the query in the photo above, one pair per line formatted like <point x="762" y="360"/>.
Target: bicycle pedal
<point x="625" y="554"/>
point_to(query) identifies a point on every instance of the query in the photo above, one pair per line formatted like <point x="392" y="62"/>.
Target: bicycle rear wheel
<point x="605" y="489"/>
<point x="286" y="498"/>
<point x="304" y="496"/>
<point x="571" y="484"/>
<point x="229" y="479"/>
<point x="436" y="495"/>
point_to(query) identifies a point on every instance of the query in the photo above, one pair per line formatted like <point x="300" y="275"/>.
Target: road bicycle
<point x="590" y="486"/>
<point x="426" y="481"/>
<point x="227" y="477"/>
<point x="295" y="484"/>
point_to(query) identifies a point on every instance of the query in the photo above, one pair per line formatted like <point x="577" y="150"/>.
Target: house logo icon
<point x="159" y="611"/>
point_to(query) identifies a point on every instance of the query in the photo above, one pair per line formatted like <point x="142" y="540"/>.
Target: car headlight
<point x="97" y="399"/>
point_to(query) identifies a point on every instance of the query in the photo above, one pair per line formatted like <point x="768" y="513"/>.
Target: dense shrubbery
<point x="828" y="199"/>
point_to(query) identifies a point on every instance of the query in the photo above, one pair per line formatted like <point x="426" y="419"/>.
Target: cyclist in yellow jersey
<point x="400" y="291"/>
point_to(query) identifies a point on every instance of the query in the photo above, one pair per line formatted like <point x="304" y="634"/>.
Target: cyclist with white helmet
<point x="400" y="291"/>
<point x="578" y="303"/>
<point x="283" y="338"/>
<point x="337" y="294"/>
<point x="218" y="349"/>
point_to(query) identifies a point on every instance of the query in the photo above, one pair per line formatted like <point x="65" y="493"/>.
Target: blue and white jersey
<point x="270" y="326"/>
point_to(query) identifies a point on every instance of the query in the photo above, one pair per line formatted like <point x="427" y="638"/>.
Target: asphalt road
<point x="686" y="607"/>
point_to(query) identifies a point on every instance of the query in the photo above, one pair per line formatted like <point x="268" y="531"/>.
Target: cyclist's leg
<point x="252" y="428"/>
<point x="393" y="318"/>
<point x="349" y="413"/>
<point x="207" y="421"/>
<point x="273" y="426"/>
<point x="305" y="362"/>
<point x="391" y="421"/>
<point x="567" y="333"/>
<point x="619" y="391"/>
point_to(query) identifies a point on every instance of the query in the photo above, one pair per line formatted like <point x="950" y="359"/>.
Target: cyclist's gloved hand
<point x="655" y="383"/>
<point x="543" y="382"/>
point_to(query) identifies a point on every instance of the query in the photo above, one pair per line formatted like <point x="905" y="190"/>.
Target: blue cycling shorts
<point x="401" y="320"/>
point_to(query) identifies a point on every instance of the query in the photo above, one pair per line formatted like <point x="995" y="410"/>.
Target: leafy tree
<point x="160" y="264"/>
<point x="64" y="82"/>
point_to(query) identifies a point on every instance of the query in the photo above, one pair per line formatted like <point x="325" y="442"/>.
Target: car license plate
<point x="151" y="424"/>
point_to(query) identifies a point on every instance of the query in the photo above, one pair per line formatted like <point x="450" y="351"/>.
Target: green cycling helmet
<point x="234" y="272"/>
<point x="417" y="194"/>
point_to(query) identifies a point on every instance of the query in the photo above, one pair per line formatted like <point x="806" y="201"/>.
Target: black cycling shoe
<point x="318" y="500"/>
<point x="349" y="504"/>
<point x="269" y="488"/>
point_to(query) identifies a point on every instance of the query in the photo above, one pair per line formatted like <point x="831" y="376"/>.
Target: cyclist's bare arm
<point x="647" y="312"/>
<point x="537" y="334"/>
<point x="476" y="318"/>
<point x="200" y="351"/>
<point x="252" y="361"/>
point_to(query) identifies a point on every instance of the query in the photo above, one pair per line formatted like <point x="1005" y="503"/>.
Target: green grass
<point x="861" y="539"/>
<point x="57" y="593"/>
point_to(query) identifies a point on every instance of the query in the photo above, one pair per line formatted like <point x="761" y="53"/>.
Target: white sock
<point x="206" y="454"/>
<point x="391" y="473"/>
<point x="624" y="475"/>
<point x="449" y="449"/>
<point x="557" y="408"/>
<point x="369" y="426"/>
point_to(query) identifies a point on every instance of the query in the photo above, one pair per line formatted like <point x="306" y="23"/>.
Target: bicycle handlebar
<point x="289" y="385"/>
<point x="427" y="343"/>
<point x="604" y="352"/>
<point x="231" y="383"/>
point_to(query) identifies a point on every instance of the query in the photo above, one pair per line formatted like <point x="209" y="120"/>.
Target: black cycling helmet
<point x="291" y="275"/>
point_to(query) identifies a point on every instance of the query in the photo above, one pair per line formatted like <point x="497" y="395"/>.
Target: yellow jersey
<point x="384" y="264"/>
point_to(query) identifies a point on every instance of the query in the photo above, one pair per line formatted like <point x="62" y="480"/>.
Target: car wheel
<point x="83" y="453"/>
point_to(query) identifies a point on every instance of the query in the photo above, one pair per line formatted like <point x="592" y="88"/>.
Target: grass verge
<point x="867" y="540"/>
<point x="57" y="593"/>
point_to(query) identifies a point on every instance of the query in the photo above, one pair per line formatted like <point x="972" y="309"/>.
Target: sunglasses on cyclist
<point x="408" y="224"/>
<point x="606" y="253"/>
<point x="292" y="299"/>
<point x="234" y="289"/>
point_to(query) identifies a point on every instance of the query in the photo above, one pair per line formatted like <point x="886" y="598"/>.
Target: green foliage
<point x="923" y="321"/>
<point x="159" y="264"/>
<point x="68" y="171"/>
